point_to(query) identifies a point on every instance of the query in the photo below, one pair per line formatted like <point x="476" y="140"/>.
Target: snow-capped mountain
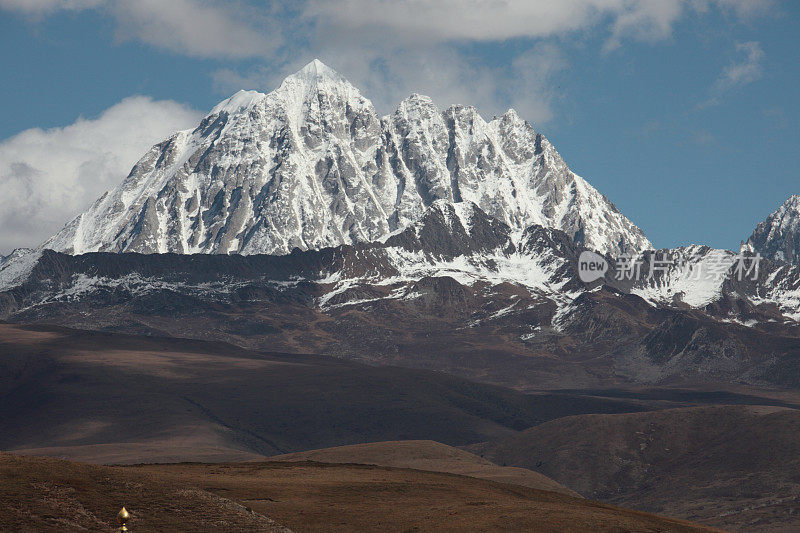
<point x="778" y="237"/>
<point x="311" y="165"/>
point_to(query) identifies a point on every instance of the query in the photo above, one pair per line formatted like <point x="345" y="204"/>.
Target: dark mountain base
<point x="500" y="332"/>
<point x="143" y="398"/>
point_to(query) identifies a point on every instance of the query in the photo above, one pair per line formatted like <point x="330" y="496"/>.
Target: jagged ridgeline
<point x="312" y="165"/>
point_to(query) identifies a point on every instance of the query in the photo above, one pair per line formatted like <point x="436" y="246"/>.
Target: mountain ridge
<point x="451" y="292"/>
<point x="311" y="164"/>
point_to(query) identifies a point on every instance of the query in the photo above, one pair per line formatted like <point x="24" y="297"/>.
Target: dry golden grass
<point x="309" y="496"/>
<point x="427" y="455"/>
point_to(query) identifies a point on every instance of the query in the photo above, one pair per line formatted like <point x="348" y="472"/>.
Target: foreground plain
<point x="52" y="495"/>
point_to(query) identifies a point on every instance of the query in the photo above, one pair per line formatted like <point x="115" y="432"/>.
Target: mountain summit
<point x="317" y="70"/>
<point x="311" y="165"/>
<point x="778" y="237"/>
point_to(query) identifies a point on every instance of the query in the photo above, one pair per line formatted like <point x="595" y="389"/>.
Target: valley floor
<point x="311" y="443"/>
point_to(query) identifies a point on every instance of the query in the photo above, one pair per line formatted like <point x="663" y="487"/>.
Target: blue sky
<point x="683" y="112"/>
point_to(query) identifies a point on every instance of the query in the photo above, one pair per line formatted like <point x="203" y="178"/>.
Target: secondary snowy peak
<point x="507" y="169"/>
<point x="240" y="100"/>
<point x="778" y="237"/>
<point x="311" y="165"/>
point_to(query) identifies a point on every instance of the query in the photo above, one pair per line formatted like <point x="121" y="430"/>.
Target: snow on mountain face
<point x="694" y="275"/>
<point x="780" y="285"/>
<point x="16" y="266"/>
<point x="312" y="165"/>
<point x="260" y="174"/>
<point x="507" y="169"/>
<point x="778" y="237"/>
<point x="456" y="241"/>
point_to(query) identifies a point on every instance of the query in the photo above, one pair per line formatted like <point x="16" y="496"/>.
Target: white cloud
<point x="197" y="28"/>
<point x="237" y="28"/>
<point x="48" y="176"/>
<point x="746" y="70"/>
<point x="497" y="20"/>
<point x="481" y="20"/>
<point x="650" y="20"/>
<point x="193" y="28"/>
<point x="742" y="71"/>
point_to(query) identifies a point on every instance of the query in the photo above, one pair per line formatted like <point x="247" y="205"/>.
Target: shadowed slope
<point x="139" y="399"/>
<point x="733" y="466"/>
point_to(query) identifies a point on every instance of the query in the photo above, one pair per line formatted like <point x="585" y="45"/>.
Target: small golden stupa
<point x="122" y="517"/>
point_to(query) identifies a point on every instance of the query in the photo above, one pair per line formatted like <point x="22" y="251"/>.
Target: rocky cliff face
<point x="778" y="237"/>
<point x="311" y="165"/>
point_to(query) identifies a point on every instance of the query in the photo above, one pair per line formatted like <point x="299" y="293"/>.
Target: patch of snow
<point x="15" y="268"/>
<point x="697" y="282"/>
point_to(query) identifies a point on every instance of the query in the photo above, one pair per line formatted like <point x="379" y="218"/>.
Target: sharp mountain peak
<point x="311" y="165"/>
